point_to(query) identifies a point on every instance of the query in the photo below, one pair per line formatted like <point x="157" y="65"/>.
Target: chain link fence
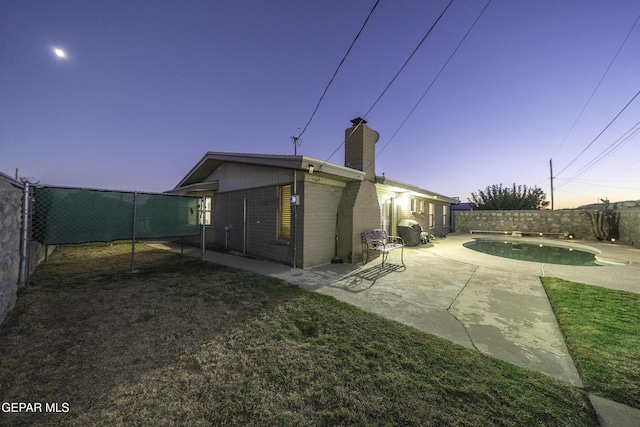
<point x="64" y="215"/>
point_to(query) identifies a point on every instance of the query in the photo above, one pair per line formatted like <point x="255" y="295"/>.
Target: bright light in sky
<point x="59" y="53"/>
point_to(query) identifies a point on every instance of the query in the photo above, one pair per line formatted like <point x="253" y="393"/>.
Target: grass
<point x="192" y="343"/>
<point x="602" y="331"/>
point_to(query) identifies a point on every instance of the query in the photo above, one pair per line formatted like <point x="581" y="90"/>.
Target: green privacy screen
<point x="78" y="215"/>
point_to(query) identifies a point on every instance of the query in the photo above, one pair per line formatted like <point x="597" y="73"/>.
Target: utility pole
<point x="551" y="173"/>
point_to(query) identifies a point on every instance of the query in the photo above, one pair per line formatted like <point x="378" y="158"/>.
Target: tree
<point x="497" y="197"/>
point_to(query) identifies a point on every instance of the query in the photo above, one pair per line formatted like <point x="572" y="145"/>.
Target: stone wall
<point x="529" y="221"/>
<point x="628" y="222"/>
<point x="10" y="222"/>
<point x="574" y="221"/>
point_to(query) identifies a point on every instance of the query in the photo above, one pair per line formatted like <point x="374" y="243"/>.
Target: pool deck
<point x="491" y="304"/>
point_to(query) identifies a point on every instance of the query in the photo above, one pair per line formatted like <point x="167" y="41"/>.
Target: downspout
<point x="295" y="218"/>
<point x="244" y="226"/>
<point x="203" y="226"/>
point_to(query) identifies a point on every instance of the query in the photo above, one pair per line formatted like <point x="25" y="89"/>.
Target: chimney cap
<point x="358" y="120"/>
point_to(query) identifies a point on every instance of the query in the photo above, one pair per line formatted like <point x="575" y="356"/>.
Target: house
<point x="463" y="206"/>
<point x="303" y="211"/>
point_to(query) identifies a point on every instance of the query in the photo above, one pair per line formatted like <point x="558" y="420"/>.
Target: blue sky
<point x="147" y="87"/>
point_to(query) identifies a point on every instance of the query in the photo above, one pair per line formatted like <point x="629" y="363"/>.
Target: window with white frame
<point x="444" y="215"/>
<point x="417" y="205"/>
<point x="207" y="211"/>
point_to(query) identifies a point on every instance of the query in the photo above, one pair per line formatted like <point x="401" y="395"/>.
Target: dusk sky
<point x="145" y="88"/>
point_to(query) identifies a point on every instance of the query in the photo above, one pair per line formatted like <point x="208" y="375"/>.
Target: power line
<point x="394" y="78"/>
<point x="626" y="137"/>
<point x="336" y="71"/>
<point x="434" y="79"/>
<point x="604" y="185"/>
<point x="597" y="86"/>
<point x="601" y="132"/>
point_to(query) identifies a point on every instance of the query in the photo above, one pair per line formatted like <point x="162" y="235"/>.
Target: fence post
<point x="133" y="234"/>
<point x="24" y="241"/>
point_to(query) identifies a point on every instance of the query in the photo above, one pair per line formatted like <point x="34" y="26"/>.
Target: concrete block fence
<point x="10" y="223"/>
<point x="574" y="221"/>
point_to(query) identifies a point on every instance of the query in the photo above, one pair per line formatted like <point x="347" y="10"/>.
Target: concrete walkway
<point x="494" y="305"/>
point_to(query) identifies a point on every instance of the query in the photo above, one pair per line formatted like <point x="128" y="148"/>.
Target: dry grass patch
<point x="192" y="343"/>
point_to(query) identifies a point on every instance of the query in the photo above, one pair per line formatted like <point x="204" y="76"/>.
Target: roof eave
<point x="426" y="193"/>
<point x="212" y="160"/>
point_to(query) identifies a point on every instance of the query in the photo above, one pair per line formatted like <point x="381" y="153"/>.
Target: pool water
<point x="542" y="251"/>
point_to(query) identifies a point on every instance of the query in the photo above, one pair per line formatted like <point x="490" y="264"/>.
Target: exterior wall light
<point x="310" y="169"/>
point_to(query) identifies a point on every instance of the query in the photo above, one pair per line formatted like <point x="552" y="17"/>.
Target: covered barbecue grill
<point x="411" y="232"/>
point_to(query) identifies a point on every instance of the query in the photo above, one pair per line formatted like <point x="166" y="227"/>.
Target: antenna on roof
<point x="297" y="141"/>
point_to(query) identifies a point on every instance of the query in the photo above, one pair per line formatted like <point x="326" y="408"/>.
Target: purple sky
<point x="148" y="87"/>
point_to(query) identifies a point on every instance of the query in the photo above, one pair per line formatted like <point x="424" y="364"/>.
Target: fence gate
<point x="65" y="215"/>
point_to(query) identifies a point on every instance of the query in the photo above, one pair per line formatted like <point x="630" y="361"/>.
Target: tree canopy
<point x="497" y="197"/>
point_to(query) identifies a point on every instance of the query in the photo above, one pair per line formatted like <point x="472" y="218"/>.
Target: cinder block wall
<point x="262" y="228"/>
<point x="10" y="222"/>
<point x="358" y="211"/>
<point x="320" y="204"/>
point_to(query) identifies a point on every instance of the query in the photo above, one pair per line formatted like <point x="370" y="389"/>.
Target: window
<point x="431" y="212"/>
<point x="285" y="212"/>
<point x="417" y="205"/>
<point x="444" y="215"/>
<point x="207" y="211"/>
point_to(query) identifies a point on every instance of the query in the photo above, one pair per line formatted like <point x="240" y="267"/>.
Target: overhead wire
<point x="335" y="73"/>
<point x="626" y="137"/>
<point x="393" y="79"/>
<point x="600" y="134"/>
<point x="604" y="185"/>
<point x="597" y="86"/>
<point x="434" y="80"/>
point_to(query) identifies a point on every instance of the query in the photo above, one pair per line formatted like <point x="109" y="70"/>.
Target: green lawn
<point x="602" y="330"/>
<point x="192" y="343"/>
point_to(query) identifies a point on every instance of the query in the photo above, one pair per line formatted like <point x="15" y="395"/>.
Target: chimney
<point x="360" y="148"/>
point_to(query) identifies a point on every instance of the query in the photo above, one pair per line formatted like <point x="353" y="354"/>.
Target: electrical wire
<point x="600" y="134"/>
<point x="604" y="185"/>
<point x="626" y="137"/>
<point x="597" y="86"/>
<point x="434" y="80"/>
<point x="336" y="71"/>
<point x="393" y="79"/>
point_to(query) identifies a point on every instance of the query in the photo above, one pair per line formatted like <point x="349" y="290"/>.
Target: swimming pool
<point x="537" y="250"/>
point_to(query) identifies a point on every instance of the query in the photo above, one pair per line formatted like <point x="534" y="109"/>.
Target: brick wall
<point x="358" y="211"/>
<point x="320" y="204"/>
<point x="262" y="228"/>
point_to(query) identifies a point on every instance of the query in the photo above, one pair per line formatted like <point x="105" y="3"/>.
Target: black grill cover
<point x="410" y="230"/>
